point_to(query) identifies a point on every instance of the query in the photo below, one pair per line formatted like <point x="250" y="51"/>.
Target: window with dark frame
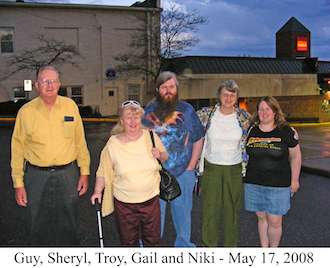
<point x="76" y="95"/>
<point x="63" y="91"/>
<point x="7" y="40"/>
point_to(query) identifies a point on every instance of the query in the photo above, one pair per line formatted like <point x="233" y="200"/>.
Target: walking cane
<point x="99" y="220"/>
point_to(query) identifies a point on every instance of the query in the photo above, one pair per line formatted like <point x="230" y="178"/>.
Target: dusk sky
<point x="247" y="28"/>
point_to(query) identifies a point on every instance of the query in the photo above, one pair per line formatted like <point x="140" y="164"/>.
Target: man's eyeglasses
<point x="129" y="102"/>
<point x="44" y="82"/>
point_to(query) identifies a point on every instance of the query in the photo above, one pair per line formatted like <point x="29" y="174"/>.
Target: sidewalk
<point x="314" y="141"/>
<point x="317" y="166"/>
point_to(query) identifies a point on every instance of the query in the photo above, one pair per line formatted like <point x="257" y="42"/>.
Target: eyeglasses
<point x="129" y="102"/>
<point x="230" y="96"/>
<point x="47" y="81"/>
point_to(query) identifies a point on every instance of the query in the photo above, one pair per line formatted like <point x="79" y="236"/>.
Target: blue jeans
<point x="181" y="210"/>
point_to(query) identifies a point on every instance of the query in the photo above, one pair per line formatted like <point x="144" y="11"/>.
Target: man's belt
<point x="52" y="168"/>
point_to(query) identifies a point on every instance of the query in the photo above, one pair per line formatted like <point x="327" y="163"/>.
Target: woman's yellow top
<point x="133" y="176"/>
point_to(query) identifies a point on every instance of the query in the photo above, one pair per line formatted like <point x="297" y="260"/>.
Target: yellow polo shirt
<point x="47" y="138"/>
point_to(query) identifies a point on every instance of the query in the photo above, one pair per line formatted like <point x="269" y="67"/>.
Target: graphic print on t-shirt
<point x="174" y="136"/>
<point x="267" y="143"/>
<point x="177" y="131"/>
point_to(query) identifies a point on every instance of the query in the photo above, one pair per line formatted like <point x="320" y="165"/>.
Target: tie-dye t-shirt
<point x="178" y="132"/>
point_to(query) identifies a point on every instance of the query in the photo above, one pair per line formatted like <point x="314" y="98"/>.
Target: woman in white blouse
<point x="222" y="162"/>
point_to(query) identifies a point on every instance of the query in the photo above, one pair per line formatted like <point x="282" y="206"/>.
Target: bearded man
<point x="181" y="132"/>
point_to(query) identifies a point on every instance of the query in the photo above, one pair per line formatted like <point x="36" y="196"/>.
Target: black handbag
<point x="169" y="186"/>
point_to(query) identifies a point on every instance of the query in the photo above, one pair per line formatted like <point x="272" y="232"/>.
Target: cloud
<point x="239" y="27"/>
<point x="249" y="27"/>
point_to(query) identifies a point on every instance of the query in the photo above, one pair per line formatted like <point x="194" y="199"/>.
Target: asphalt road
<point x="305" y="225"/>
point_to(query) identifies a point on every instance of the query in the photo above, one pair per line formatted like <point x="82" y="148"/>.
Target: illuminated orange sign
<point x="302" y="44"/>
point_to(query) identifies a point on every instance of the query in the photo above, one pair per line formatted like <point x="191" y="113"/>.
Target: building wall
<point x="205" y="86"/>
<point x="286" y="45"/>
<point x="300" y="108"/>
<point x="298" y="95"/>
<point x="99" y="33"/>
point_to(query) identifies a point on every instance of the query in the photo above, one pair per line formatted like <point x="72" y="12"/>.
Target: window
<point x="75" y="93"/>
<point x="7" y="40"/>
<point x="302" y="43"/>
<point x="134" y="92"/>
<point x="63" y="91"/>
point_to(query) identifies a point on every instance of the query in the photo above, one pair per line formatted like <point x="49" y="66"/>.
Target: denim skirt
<point x="272" y="200"/>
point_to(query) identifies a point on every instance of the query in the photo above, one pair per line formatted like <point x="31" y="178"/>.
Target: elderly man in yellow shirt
<point x="48" y="146"/>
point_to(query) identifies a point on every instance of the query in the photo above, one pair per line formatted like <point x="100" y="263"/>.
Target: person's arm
<point x="17" y="161"/>
<point x="104" y="164"/>
<point x="295" y="163"/>
<point x="17" y="151"/>
<point x="159" y="152"/>
<point x="99" y="186"/>
<point x="83" y="156"/>
<point x="197" y="149"/>
<point x="83" y="159"/>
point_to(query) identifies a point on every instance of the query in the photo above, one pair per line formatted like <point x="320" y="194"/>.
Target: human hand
<point x="294" y="186"/>
<point x="155" y="153"/>
<point x="96" y="197"/>
<point x="20" y="196"/>
<point x="82" y="184"/>
<point x="295" y="133"/>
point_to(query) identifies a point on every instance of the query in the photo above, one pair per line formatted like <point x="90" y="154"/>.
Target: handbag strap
<point x="153" y="144"/>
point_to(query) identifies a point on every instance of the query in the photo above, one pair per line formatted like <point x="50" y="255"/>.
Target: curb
<point x="310" y="124"/>
<point x="316" y="171"/>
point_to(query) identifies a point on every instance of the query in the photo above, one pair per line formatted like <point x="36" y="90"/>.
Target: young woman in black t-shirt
<point x="272" y="171"/>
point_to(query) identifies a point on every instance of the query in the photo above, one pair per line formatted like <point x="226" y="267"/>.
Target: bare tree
<point x="158" y="39"/>
<point x="50" y="52"/>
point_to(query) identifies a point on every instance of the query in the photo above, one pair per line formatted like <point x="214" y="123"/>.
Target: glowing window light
<point x="302" y="44"/>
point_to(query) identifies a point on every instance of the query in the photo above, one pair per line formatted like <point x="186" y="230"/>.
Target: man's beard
<point x="166" y="106"/>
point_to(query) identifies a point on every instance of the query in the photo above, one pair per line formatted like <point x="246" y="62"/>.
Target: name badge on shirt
<point x="68" y="118"/>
